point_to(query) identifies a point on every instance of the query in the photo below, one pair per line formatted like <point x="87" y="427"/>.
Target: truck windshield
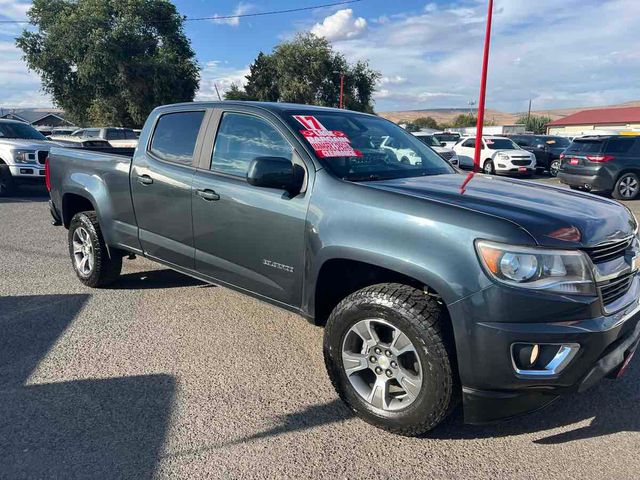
<point x="19" y="130"/>
<point x="360" y="147"/>
<point x="447" y="137"/>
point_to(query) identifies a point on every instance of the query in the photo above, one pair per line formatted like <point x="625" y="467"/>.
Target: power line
<point x="229" y="17"/>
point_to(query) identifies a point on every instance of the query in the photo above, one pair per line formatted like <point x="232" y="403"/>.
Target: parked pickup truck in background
<point x="23" y="151"/>
<point x="432" y="285"/>
<point x="116" y="136"/>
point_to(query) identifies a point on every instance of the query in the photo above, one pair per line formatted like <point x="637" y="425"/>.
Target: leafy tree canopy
<point x="426" y="122"/>
<point x="110" y="62"/>
<point x="307" y="70"/>
<point x="535" y="123"/>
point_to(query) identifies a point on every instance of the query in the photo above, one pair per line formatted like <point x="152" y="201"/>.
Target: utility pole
<point x="341" y="87"/>
<point x="217" y="91"/>
<point x="483" y="88"/>
<point x="529" y="113"/>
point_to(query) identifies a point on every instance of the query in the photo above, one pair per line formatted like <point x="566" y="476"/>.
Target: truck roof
<point x="270" y="106"/>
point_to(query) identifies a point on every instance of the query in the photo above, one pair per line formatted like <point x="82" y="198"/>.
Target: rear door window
<point x="175" y="135"/>
<point x="471" y="143"/>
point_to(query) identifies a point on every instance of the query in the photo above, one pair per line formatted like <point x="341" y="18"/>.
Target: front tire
<point x="89" y="255"/>
<point x="627" y="187"/>
<point x="7" y="184"/>
<point x="389" y="359"/>
<point x="488" y="167"/>
<point x="554" y="168"/>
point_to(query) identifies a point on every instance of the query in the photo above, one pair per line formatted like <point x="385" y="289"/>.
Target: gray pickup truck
<point x="433" y="286"/>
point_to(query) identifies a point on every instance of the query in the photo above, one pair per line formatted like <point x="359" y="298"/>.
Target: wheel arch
<point x="73" y="203"/>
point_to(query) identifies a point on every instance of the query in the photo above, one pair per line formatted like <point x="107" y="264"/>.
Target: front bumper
<point x="528" y="170"/>
<point x="27" y="172"/>
<point x="492" y="390"/>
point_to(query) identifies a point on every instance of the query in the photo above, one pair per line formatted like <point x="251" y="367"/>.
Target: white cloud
<point x="14" y="10"/>
<point x="341" y="25"/>
<point x="20" y="87"/>
<point x="241" y="9"/>
<point x="580" y="54"/>
<point x="217" y="73"/>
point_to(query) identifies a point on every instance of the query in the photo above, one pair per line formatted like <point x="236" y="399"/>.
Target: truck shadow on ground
<point x="27" y="194"/>
<point x="153" y="279"/>
<point x="94" y="428"/>
<point x="612" y="407"/>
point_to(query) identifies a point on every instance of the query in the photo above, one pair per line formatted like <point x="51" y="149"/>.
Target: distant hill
<point x="446" y="115"/>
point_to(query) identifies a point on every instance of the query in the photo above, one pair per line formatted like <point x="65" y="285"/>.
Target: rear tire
<point x="554" y="168"/>
<point x="627" y="187"/>
<point x="7" y="184"/>
<point x="89" y="254"/>
<point x="420" y="386"/>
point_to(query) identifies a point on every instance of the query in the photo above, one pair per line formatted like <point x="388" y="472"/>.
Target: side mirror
<point x="443" y="144"/>
<point x="274" y="172"/>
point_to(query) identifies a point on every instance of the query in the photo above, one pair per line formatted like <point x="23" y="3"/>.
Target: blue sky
<point x="560" y="53"/>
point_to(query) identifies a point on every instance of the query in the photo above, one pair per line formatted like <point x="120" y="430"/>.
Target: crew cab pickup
<point x="432" y="285"/>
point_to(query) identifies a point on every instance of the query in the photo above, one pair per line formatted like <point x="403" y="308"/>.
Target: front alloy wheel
<point x="382" y="364"/>
<point x="389" y="354"/>
<point x="554" y="168"/>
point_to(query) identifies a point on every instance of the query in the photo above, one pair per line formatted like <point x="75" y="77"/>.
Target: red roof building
<point x="597" y="119"/>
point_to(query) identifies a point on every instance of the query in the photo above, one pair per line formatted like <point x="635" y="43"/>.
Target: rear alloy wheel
<point x="627" y="187"/>
<point x="488" y="167"/>
<point x="554" y="168"/>
<point x="93" y="263"/>
<point x="390" y="359"/>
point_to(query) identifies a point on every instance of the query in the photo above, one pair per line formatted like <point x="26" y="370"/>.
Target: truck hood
<point x="550" y="214"/>
<point x="26" y="143"/>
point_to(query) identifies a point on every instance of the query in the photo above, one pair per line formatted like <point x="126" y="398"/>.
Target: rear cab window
<point x="175" y="135"/>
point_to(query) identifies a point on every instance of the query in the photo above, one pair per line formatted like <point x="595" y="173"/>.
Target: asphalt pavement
<point x="162" y="376"/>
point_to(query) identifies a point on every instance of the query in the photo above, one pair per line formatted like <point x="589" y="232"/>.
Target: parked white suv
<point x="439" y="147"/>
<point x="498" y="155"/>
<point x="23" y="151"/>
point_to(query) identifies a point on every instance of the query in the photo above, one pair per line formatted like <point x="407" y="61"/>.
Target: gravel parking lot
<point x="163" y="376"/>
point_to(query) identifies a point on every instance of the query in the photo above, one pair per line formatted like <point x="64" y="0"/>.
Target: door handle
<point x="207" y="194"/>
<point x="145" y="180"/>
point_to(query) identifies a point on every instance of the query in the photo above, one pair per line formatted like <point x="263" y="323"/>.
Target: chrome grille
<point x="614" y="289"/>
<point x="608" y="251"/>
<point x="521" y="163"/>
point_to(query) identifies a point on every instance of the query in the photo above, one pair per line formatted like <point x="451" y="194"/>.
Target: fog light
<point x="542" y="360"/>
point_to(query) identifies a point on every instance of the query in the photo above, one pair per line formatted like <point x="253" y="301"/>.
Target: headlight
<point x="503" y="156"/>
<point x="560" y="271"/>
<point x="24" y="156"/>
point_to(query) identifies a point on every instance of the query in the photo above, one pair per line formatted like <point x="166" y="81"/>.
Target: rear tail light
<point x="600" y="158"/>
<point x="47" y="177"/>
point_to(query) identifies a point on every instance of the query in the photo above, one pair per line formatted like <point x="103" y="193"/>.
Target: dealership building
<point x="602" y="120"/>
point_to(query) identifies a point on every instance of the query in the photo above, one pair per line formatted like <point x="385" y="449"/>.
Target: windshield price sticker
<point x="330" y="143"/>
<point x="309" y="122"/>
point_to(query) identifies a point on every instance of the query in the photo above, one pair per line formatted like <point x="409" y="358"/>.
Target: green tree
<point x="535" y="123"/>
<point x="307" y="70"/>
<point x="110" y="62"/>
<point x="409" y="126"/>
<point x="426" y="122"/>
<point x="465" y="120"/>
